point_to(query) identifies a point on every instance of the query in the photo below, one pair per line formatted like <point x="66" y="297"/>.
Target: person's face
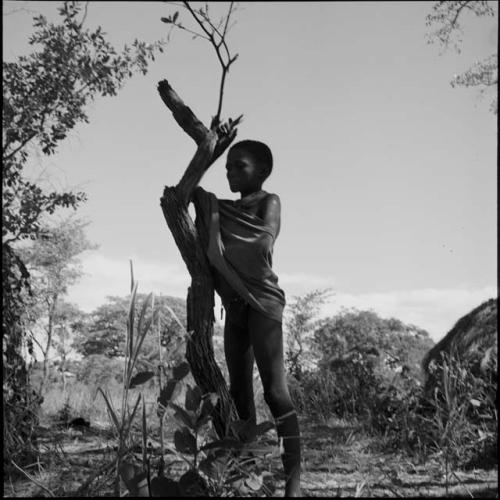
<point x="243" y="172"/>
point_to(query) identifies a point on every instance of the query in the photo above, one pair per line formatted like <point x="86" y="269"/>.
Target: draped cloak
<point x="239" y="246"/>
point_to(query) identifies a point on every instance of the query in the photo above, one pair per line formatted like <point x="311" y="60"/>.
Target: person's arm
<point x="204" y="157"/>
<point x="272" y="213"/>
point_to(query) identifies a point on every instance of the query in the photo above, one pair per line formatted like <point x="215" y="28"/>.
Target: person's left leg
<point x="266" y="336"/>
<point x="239" y="360"/>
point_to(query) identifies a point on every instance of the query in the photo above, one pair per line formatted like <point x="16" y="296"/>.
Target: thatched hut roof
<point x="473" y="334"/>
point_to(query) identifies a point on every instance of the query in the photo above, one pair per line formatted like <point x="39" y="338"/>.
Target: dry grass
<point x="85" y="401"/>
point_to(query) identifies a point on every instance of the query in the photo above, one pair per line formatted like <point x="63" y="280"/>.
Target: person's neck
<point x="244" y="194"/>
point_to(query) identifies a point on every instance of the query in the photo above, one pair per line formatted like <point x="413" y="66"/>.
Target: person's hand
<point x="225" y="129"/>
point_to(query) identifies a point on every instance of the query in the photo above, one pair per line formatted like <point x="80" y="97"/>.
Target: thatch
<point x="474" y="336"/>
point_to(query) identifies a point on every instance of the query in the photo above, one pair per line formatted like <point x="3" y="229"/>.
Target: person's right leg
<point x="239" y="360"/>
<point x="267" y="340"/>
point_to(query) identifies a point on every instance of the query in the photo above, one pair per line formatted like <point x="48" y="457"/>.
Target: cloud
<point x="301" y="283"/>
<point x="105" y="276"/>
<point x="434" y="310"/>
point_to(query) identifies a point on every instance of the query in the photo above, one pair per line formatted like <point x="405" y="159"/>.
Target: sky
<point x="386" y="174"/>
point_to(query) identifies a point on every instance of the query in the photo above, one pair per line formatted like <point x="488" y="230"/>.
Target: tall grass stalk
<point x="161" y="413"/>
<point x="134" y="338"/>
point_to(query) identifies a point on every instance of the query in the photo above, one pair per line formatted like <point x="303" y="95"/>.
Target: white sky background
<point x="387" y="175"/>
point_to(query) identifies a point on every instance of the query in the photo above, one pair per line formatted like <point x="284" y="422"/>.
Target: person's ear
<point x="264" y="172"/>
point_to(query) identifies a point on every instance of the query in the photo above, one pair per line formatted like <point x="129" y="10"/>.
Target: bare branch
<point x="190" y="123"/>
<point x="218" y="41"/>
<point x="188" y="7"/>
<point x="227" y="19"/>
<point x="194" y="33"/>
<point x="182" y="113"/>
<point x="216" y="31"/>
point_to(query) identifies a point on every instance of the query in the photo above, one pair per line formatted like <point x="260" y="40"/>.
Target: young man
<point x="239" y="236"/>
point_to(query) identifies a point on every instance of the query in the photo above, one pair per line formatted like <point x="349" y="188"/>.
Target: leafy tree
<point x="20" y="401"/>
<point x="104" y="330"/>
<point x="45" y="94"/>
<point x="68" y="318"/>
<point x="54" y="265"/>
<point x="97" y="370"/>
<point x="444" y="20"/>
<point x="353" y="333"/>
<point x="300" y="323"/>
<point x="364" y="361"/>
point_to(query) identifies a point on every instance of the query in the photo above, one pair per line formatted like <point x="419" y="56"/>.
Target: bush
<point x="457" y="416"/>
<point x="316" y="395"/>
<point x="464" y="416"/>
<point x="97" y="369"/>
<point x="346" y="387"/>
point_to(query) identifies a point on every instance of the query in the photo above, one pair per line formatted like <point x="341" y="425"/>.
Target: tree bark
<point x="200" y="297"/>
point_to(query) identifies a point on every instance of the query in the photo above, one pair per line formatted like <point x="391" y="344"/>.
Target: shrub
<point x="98" y="369"/>
<point x="457" y="416"/>
<point x="316" y="395"/>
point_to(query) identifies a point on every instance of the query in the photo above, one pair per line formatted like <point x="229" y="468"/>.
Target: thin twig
<point x="32" y="479"/>
<point x="227" y="19"/>
<point x="160" y="383"/>
<point x="454" y="20"/>
<point x="195" y="33"/>
<point x="84" y="14"/>
<point x="225" y="65"/>
<point x="202" y="26"/>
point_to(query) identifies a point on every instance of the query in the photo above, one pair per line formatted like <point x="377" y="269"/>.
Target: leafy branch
<point x="443" y="20"/>
<point x="445" y="16"/>
<point x="45" y="95"/>
<point x="215" y="33"/>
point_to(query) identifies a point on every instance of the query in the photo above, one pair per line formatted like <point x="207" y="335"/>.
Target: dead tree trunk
<point x="200" y="297"/>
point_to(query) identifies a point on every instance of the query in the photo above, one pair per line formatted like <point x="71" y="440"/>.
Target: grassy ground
<point x="338" y="460"/>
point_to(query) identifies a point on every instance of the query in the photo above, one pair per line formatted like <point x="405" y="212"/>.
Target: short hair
<point x="258" y="150"/>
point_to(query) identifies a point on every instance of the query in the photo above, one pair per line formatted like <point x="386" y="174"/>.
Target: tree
<point x="174" y="204"/>
<point x="444" y="18"/>
<point x="54" y="265"/>
<point x="300" y="324"/>
<point x="353" y="333"/>
<point x="45" y="94"/>
<point x="105" y="329"/>
<point x="20" y="402"/>
<point x="363" y="359"/>
<point x="68" y="318"/>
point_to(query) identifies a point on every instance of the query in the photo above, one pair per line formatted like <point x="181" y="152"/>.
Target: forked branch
<point x="212" y="33"/>
<point x="210" y="144"/>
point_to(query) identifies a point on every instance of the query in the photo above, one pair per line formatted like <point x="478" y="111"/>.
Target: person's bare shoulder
<point x="271" y="211"/>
